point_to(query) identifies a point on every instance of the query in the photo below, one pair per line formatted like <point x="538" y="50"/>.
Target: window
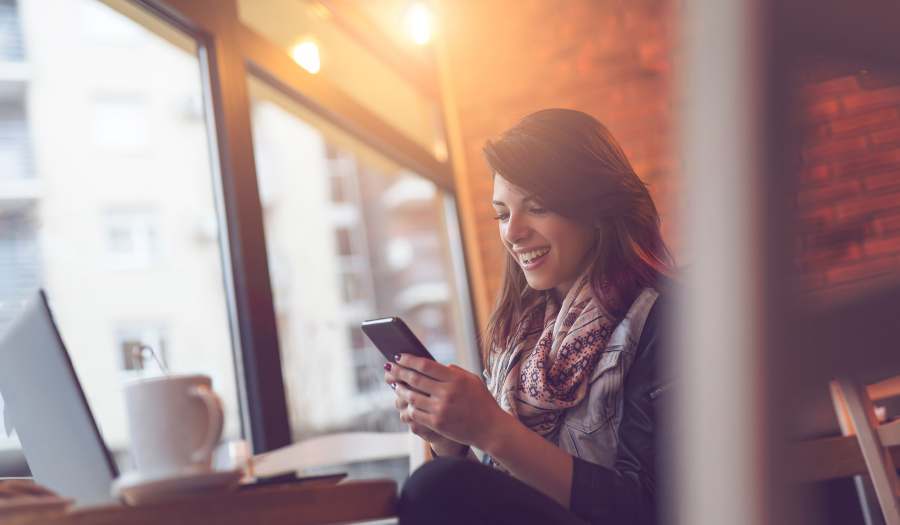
<point x="143" y="348"/>
<point x="123" y="166"/>
<point x="132" y="239"/>
<point x="20" y="266"/>
<point x="352" y="236"/>
<point x="105" y="166"/>
<point x="15" y="149"/>
<point x="344" y="243"/>
<point x="11" y="48"/>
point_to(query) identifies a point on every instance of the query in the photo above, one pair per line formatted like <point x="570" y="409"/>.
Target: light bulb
<point x="307" y="55"/>
<point x="418" y="19"/>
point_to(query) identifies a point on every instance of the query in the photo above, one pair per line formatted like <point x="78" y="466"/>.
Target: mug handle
<point x="216" y="422"/>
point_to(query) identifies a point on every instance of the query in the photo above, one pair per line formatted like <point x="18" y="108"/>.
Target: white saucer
<point x="135" y="489"/>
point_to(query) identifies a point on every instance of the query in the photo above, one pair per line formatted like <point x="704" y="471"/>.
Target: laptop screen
<point x="46" y="406"/>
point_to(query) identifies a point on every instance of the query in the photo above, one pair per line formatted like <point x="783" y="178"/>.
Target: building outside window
<point x="103" y="26"/>
<point x="120" y="125"/>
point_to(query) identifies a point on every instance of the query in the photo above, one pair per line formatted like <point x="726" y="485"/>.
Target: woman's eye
<point x="501" y="217"/>
<point x="538" y="211"/>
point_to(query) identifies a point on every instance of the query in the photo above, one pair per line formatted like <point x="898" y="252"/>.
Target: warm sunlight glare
<point x="418" y="18"/>
<point x="307" y="55"/>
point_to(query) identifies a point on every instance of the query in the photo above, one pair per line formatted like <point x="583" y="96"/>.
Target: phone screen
<point x="392" y="336"/>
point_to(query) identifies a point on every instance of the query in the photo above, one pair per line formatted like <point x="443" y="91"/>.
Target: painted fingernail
<point x="394" y="386"/>
<point x="397" y="358"/>
<point x="387" y="366"/>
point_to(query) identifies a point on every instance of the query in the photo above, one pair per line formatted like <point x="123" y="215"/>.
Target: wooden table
<point x="312" y="504"/>
<point x="285" y="504"/>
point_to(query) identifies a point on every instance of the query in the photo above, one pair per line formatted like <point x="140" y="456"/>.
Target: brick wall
<point x="618" y="60"/>
<point x="848" y="186"/>
<point x="614" y="60"/>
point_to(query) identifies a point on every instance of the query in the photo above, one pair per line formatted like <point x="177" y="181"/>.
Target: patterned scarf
<point x="546" y="368"/>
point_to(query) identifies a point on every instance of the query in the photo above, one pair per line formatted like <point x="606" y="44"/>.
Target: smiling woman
<point x="571" y="348"/>
<point x="550" y="248"/>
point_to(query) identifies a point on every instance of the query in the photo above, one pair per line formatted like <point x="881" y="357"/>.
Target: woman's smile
<point x="530" y="259"/>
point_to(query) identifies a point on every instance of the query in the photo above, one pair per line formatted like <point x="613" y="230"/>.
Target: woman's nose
<point x="516" y="230"/>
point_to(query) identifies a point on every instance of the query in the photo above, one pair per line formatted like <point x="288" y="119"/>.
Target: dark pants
<point x="457" y="491"/>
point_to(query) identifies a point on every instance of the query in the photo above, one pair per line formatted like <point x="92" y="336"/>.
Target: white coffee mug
<point x="175" y="424"/>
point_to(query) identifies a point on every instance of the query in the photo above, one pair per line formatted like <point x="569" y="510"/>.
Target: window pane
<point x="111" y="204"/>
<point x="351" y="236"/>
<point x="349" y="65"/>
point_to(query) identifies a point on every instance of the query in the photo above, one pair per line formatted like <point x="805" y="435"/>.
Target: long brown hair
<point x="569" y="163"/>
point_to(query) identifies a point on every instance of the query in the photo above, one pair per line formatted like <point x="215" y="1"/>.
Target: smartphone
<point x="326" y="480"/>
<point x="391" y="336"/>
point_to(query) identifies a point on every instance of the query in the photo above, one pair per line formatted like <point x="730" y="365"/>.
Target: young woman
<point x="567" y="418"/>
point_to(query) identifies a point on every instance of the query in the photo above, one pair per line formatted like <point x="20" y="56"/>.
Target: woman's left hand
<point x="453" y="402"/>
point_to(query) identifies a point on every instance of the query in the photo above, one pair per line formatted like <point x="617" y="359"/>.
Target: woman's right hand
<point x="437" y="440"/>
<point x="443" y="446"/>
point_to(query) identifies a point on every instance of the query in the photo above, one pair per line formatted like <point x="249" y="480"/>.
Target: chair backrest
<point x="856" y="414"/>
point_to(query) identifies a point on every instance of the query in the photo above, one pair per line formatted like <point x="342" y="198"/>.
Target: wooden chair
<point x="852" y="338"/>
<point x="853" y="404"/>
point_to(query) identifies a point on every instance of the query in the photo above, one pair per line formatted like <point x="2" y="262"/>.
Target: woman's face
<point x="549" y="248"/>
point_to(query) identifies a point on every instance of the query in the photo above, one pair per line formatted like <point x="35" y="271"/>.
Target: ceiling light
<point x="418" y="21"/>
<point x="307" y="55"/>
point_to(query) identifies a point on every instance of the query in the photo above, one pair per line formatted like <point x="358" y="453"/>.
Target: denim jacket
<point x="611" y="434"/>
<point x="591" y="428"/>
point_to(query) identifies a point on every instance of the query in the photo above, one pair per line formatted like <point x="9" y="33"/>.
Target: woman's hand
<point x="450" y="401"/>
<point x="442" y="445"/>
<point x="456" y="405"/>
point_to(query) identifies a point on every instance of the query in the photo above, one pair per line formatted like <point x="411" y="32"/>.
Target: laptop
<point x="46" y="406"/>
